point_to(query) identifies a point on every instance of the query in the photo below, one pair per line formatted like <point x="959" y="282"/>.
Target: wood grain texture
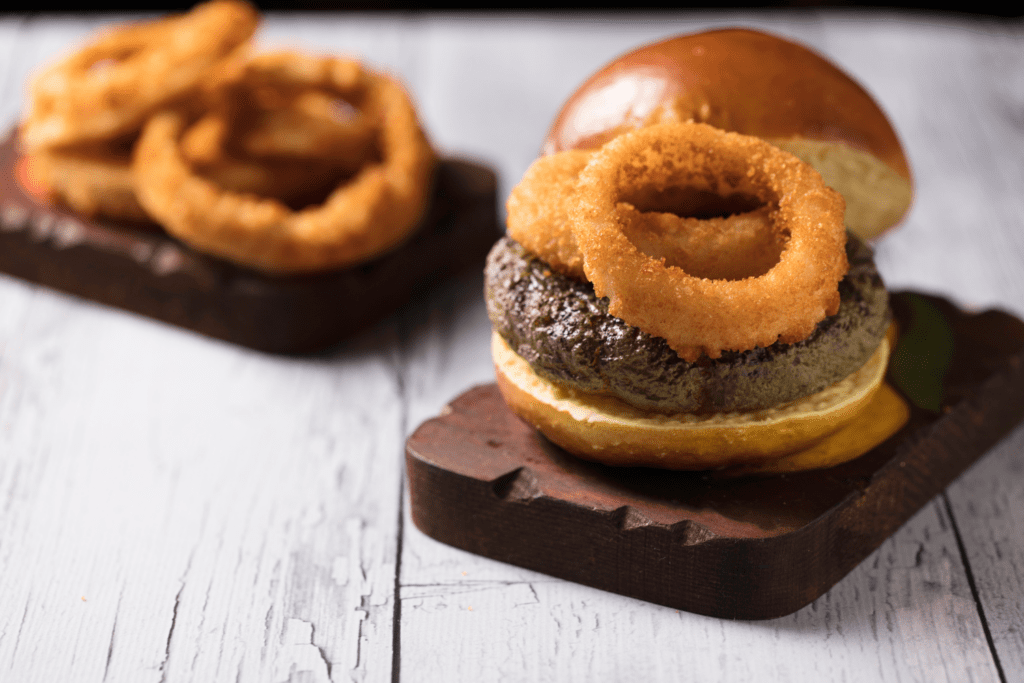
<point x="987" y="507"/>
<point x="162" y="523"/>
<point x="518" y="625"/>
<point x="963" y="154"/>
<point x="231" y="516"/>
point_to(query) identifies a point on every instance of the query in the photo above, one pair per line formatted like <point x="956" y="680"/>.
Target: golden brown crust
<point x="538" y="210"/>
<point x="606" y="430"/>
<point x="735" y="79"/>
<point x="695" y="314"/>
<point x="374" y="211"/>
<point x="92" y="182"/>
<point x="110" y="86"/>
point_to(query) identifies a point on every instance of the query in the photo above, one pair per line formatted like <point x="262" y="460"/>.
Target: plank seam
<point x="170" y="632"/>
<point x="974" y="587"/>
<point x="396" y="628"/>
<point x="403" y="418"/>
<point x="113" y="635"/>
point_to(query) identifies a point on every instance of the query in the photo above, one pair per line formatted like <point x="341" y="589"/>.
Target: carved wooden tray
<point x="751" y="548"/>
<point x="137" y="267"/>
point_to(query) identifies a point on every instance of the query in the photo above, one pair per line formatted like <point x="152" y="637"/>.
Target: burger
<point x="647" y="313"/>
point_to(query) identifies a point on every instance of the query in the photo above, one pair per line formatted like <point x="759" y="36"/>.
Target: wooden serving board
<point x="139" y="268"/>
<point x="749" y="548"/>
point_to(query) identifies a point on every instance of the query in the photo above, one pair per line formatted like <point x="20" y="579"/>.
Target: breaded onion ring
<point x="295" y="182"/>
<point x="538" y="210"/>
<point x="719" y="248"/>
<point x="312" y="125"/>
<point x="374" y="211"/>
<point x="729" y="247"/>
<point x="94" y="180"/>
<point x="255" y="119"/>
<point x="700" y="315"/>
<point x="109" y="87"/>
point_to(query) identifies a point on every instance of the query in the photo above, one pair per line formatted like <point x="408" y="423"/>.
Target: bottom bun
<point x="607" y="430"/>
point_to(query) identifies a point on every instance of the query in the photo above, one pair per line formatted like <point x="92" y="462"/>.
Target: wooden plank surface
<point x="175" y="508"/>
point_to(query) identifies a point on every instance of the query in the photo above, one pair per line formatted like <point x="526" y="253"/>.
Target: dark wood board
<point x="140" y="268"/>
<point x="745" y="548"/>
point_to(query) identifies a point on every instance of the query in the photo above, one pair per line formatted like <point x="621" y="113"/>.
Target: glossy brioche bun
<point x="756" y="84"/>
<point x="604" y="429"/>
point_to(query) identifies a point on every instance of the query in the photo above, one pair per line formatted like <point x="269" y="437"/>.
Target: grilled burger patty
<point x="564" y="331"/>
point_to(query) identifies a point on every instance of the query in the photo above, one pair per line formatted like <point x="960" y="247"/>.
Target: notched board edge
<point x="519" y="485"/>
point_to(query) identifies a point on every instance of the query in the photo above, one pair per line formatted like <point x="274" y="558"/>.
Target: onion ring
<point x="373" y="212"/>
<point x="93" y="180"/>
<point x="310" y="108"/>
<point x="312" y="126"/>
<point x="113" y="84"/>
<point x="538" y="210"/>
<point x="722" y="248"/>
<point x="729" y="247"/>
<point x="700" y="315"/>
<point x="97" y="181"/>
<point x="252" y="119"/>
<point x="295" y="182"/>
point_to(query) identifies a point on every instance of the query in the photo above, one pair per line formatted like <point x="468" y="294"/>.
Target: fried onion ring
<point x="696" y="314"/>
<point x="720" y="248"/>
<point x="113" y="84"/>
<point x="374" y="211"/>
<point x="312" y="126"/>
<point x="538" y="210"/>
<point x="729" y="247"/>
<point x="257" y="119"/>
<point x="92" y="180"/>
<point x="316" y="109"/>
<point x="295" y="182"/>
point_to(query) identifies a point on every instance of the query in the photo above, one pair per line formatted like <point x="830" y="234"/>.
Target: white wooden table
<point x="174" y="508"/>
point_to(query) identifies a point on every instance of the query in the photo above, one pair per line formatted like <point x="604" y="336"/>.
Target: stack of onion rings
<point x="270" y="114"/>
<point x="374" y="210"/>
<point x="282" y="162"/>
<point x="766" y="273"/>
<point x="279" y="141"/>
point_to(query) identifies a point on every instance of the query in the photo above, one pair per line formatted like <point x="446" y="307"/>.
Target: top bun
<point x="756" y="84"/>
